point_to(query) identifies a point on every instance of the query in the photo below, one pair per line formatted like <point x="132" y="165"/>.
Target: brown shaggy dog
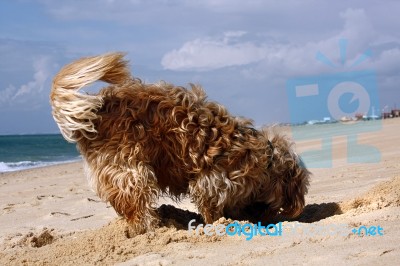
<point x="138" y="140"/>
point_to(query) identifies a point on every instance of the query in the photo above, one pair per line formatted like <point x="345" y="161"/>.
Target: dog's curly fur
<point x="138" y="140"/>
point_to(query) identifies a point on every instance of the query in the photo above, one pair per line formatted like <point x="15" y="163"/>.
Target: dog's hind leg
<point x="210" y="193"/>
<point x="132" y="191"/>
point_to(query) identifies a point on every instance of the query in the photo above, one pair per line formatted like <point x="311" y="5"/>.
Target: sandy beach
<point x="50" y="216"/>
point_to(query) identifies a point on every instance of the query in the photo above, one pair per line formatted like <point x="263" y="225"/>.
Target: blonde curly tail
<point x="74" y="112"/>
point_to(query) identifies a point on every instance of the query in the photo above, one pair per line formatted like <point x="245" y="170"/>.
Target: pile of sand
<point x="112" y="243"/>
<point x="385" y="194"/>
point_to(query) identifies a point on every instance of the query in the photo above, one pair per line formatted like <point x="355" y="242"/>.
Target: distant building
<point x="386" y="115"/>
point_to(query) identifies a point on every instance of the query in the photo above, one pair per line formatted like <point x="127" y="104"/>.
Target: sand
<point x="50" y="216"/>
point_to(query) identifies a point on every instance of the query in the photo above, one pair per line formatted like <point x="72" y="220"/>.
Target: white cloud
<point x="388" y="62"/>
<point x="233" y="34"/>
<point x="213" y="53"/>
<point x="41" y="69"/>
<point x="269" y="59"/>
<point x="39" y="77"/>
<point x="7" y="94"/>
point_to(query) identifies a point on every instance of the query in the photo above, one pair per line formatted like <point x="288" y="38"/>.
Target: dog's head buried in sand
<point x="141" y="140"/>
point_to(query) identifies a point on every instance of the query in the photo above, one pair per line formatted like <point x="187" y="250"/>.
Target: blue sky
<point x="242" y="52"/>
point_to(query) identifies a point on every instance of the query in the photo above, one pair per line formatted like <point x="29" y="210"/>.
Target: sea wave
<point x="16" y="166"/>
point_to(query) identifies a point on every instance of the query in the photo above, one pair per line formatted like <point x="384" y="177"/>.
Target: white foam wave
<point x="16" y="166"/>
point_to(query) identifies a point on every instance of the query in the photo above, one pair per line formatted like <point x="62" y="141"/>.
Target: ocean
<point x="18" y="152"/>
